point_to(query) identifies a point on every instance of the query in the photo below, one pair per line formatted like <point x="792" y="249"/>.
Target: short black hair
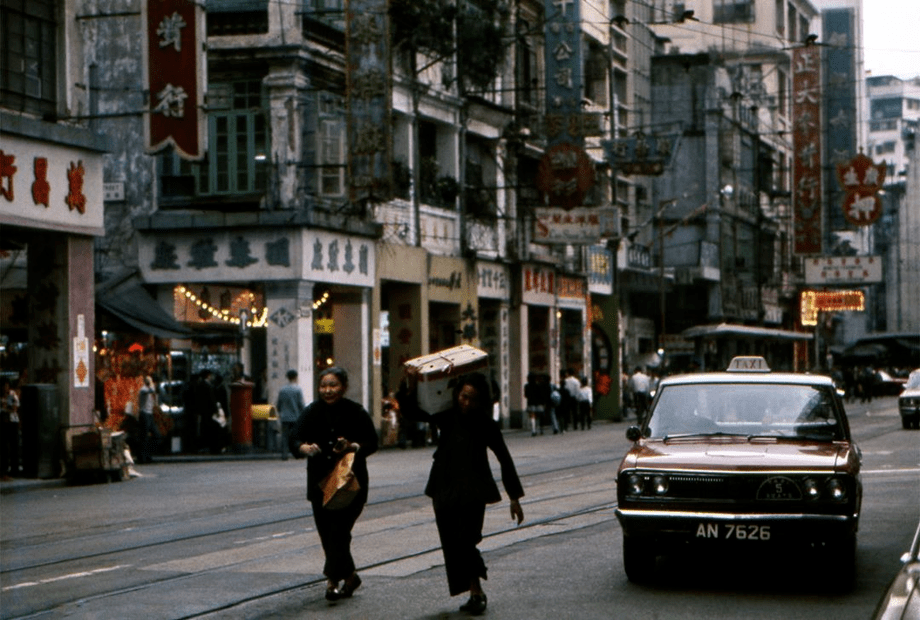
<point x="291" y="374"/>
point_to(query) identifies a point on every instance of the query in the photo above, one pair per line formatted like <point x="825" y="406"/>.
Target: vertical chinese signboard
<point x="840" y="96"/>
<point x="175" y="76"/>
<point x="368" y="95"/>
<point x="565" y="173"/>
<point x="806" y="145"/>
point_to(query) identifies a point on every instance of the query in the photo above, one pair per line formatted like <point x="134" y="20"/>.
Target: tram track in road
<point x="543" y="486"/>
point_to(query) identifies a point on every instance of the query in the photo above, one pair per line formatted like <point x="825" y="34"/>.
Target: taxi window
<point x="746" y="409"/>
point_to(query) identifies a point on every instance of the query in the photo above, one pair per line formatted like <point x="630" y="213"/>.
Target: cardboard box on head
<point x="438" y="373"/>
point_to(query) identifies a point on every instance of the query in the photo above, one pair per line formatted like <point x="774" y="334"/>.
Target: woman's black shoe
<point x="349" y="586"/>
<point x="332" y="593"/>
<point x="475" y="606"/>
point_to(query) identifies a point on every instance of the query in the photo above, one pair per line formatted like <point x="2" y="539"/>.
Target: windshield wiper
<point x="707" y="434"/>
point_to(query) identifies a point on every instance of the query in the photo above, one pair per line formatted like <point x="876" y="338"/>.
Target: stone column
<point x="289" y="335"/>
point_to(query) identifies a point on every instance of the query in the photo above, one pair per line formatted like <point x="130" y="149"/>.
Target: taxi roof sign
<point x="748" y="363"/>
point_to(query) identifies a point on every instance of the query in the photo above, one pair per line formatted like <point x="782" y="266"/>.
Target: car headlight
<point x="660" y="485"/>
<point x="812" y="490"/>
<point x="635" y="484"/>
<point x="836" y="489"/>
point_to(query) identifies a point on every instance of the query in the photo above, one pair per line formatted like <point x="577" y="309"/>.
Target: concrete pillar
<point x="289" y="335"/>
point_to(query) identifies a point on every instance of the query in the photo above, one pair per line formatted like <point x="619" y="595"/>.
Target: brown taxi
<point x="745" y="458"/>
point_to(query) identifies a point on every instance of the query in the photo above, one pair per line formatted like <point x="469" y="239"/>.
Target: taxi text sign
<point x="847" y="270"/>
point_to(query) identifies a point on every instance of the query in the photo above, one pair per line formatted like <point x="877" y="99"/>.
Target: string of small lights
<point x="259" y="317"/>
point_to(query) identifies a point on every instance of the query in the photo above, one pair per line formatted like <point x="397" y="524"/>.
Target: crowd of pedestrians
<point x="568" y="405"/>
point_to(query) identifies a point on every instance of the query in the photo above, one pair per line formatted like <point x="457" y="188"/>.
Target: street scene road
<point x="234" y="538"/>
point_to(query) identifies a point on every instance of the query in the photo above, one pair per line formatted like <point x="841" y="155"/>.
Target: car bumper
<point x="909" y="411"/>
<point x="764" y="530"/>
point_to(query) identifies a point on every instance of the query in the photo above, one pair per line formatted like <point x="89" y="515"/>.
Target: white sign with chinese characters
<point x="493" y="281"/>
<point x="848" y="270"/>
<point x="264" y="254"/>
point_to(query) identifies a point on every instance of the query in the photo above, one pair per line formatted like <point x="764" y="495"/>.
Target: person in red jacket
<point x="460" y="483"/>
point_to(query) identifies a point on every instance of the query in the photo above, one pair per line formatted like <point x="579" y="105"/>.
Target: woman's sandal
<point x="349" y="586"/>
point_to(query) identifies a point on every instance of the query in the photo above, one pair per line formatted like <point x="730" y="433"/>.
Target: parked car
<point x="909" y="401"/>
<point x="901" y="600"/>
<point x="743" y="459"/>
<point x="888" y="385"/>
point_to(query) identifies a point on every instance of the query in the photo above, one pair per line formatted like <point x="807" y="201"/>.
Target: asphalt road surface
<point x="234" y="539"/>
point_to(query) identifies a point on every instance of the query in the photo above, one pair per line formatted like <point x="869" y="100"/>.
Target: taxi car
<point x="909" y="401"/>
<point x="745" y="458"/>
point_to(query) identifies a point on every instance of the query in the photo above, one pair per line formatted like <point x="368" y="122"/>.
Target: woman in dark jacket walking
<point x="327" y="429"/>
<point x="460" y="483"/>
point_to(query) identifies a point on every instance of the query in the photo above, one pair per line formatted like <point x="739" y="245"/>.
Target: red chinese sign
<point x="41" y="188"/>
<point x="175" y="72"/>
<point x="806" y="145"/>
<point x="565" y="175"/>
<point x="862" y="179"/>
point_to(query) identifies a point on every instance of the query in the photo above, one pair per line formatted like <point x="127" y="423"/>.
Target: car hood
<point x="910" y="393"/>
<point x="738" y="455"/>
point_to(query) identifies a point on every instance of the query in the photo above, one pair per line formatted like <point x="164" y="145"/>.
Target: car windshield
<point x="794" y="411"/>
<point x="913" y="381"/>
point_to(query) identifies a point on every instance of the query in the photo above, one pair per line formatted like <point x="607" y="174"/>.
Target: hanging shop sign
<point x="578" y="226"/>
<point x="862" y="179"/>
<point x="849" y="270"/>
<point x="564" y="68"/>
<point x="564" y="176"/>
<point x="44" y="185"/>
<point x="840" y="96"/>
<point x="175" y="72"/>
<point x="806" y="145"/>
<point x="600" y="270"/>
<point x="641" y="154"/>
<point x="368" y="98"/>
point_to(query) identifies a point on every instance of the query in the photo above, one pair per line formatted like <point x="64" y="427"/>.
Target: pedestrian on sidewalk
<point x="327" y="429"/>
<point x="290" y="405"/>
<point x="460" y="483"/>
<point x="585" y="404"/>
<point x="536" y="403"/>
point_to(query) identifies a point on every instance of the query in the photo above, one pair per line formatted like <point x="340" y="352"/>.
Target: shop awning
<point x="133" y="305"/>
<point x="729" y="330"/>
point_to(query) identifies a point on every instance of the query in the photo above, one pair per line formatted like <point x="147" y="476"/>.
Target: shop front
<point x="535" y="326"/>
<point x="264" y="300"/>
<point x="51" y="194"/>
<point x="605" y="363"/>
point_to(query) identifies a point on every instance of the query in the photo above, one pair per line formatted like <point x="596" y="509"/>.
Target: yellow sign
<point x="813" y="302"/>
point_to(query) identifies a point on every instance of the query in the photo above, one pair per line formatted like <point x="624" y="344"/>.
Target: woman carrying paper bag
<point x="328" y="429"/>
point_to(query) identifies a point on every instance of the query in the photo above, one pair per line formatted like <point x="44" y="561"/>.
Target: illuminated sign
<point x="813" y="302"/>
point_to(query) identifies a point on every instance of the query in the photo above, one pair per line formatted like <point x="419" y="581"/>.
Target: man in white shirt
<point x="639" y="384"/>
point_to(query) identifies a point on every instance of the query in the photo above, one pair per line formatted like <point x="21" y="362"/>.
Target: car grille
<point x="782" y="492"/>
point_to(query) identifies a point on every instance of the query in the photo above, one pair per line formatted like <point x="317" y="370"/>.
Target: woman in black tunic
<point x="326" y="429"/>
<point x="461" y="483"/>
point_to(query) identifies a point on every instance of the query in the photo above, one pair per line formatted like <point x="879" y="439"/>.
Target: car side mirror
<point x="633" y="433"/>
